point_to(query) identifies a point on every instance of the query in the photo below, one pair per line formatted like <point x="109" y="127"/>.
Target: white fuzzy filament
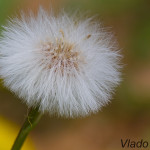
<point x="68" y="66"/>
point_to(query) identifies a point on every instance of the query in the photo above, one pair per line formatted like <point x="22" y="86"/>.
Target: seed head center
<point x="61" y="54"/>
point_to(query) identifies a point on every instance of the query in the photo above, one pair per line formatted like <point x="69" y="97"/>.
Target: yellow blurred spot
<point x="8" y="133"/>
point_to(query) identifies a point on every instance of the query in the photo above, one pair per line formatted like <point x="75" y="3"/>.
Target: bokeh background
<point x="128" y="116"/>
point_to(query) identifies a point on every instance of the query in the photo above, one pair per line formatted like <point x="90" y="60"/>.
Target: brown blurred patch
<point x="46" y="4"/>
<point x="99" y="132"/>
<point x="140" y="80"/>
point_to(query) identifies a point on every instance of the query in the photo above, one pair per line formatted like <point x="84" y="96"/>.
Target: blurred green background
<point x="128" y="115"/>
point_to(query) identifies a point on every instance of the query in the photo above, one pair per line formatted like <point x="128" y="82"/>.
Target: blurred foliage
<point x="6" y="8"/>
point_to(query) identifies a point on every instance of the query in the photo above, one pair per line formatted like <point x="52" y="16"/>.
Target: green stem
<point x="30" y="122"/>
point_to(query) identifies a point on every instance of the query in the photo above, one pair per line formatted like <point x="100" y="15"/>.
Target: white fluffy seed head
<point x="68" y="67"/>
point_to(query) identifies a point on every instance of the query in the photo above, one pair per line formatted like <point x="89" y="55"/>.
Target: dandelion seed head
<point x="67" y="66"/>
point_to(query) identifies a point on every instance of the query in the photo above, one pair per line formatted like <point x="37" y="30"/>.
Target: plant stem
<point x="30" y="122"/>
